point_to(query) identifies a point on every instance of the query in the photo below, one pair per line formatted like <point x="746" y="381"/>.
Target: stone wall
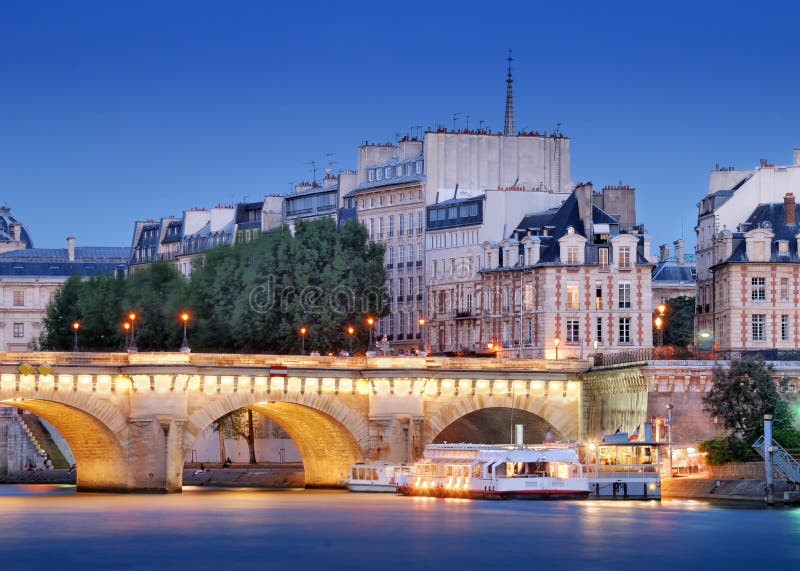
<point x="16" y="448"/>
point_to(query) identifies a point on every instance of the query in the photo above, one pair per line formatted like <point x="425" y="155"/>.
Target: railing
<point x="673" y="353"/>
<point x="785" y="463"/>
<point x="623" y="357"/>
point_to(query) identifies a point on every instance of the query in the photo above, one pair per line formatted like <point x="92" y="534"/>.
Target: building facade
<point x="565" y="283"/>
<point x="674" y="275"/>
<point x="729" y="213"/>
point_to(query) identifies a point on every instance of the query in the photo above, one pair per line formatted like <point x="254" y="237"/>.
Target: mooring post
<point x="768" y="450"/>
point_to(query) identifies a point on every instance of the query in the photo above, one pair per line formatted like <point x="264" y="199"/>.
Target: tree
<point x="240" y="424"/>
<point x="740" y="397"/>
<point x="678" y="324"/>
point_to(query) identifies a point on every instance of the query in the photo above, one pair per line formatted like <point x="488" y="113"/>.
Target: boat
<point x="490" y="471"/>
<point x="376" y="476"/>
<point x="620" y="466"/>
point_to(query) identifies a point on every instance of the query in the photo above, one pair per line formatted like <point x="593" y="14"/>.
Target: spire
<point x="508" y="129"/>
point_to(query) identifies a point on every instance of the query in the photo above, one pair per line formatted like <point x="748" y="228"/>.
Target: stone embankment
<point x="742" y="489"/>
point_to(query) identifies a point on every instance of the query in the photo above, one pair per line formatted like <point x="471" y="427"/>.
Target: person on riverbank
<point x="226" y="463"/>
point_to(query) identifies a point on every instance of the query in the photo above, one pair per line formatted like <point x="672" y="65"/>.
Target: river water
<point x="54" y="527"/>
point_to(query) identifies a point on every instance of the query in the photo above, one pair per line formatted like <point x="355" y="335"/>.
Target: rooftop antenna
<point x="467" y="122"/>
<point x="558" y="127"/>
<point x="330" y="156"/>
<point x="481" y="123"/>
<point x="508" y="128"/>
<point x="455" y="116"/>
<point x="313" y="164"/>
<point x="420" y="131"/>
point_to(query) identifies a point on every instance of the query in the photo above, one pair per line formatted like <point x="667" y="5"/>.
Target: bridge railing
<point x="623" y="357"/>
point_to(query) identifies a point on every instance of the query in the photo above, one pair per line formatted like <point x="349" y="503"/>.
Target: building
<point x="31" y="277"/>
<point x="389" y="200"/>
<point x="566" y="281"/>
<point x="317" y="200"/>
<point x="745" y="249"/>
<point x="674" y="276"/>
<point x="13" y="235"/>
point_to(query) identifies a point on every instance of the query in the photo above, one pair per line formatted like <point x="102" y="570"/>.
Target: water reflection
<point x="296" y="529"/>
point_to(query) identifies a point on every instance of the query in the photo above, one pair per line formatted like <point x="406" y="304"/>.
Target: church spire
<point x="508" y="128"/>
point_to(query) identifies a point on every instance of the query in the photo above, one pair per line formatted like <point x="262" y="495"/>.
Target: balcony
<point x="419" y="297"/>
<point x="389" y="266"/>
<point x="419" y="263"/>
<point x="410" y="297"/>
<point x="464" y="313"/>
<point x="409" y="264"/>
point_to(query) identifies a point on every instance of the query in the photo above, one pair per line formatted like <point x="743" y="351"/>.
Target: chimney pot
<point x="71" y="248"/>
<point x="664" y="252"/>
<point x="679" y="250"/>
<point x="796" y="157"/>
<point x="789" y="209"/>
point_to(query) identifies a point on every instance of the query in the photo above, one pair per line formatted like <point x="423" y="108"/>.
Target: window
<point x="783" y="247"/>
<point x="759" y="322"/>
<point x="380" y="201"/>
<point x="391" y="226"/>
<point x="372" y="202"/>
<point x="572" y="254"/>
<point x="624" y="330"/>
<point x="452" y="213"/>
<point x="599" y="329"/>
<point x="572" y="295"/>
<point x="408" y="169"/>
<point x="419" y="222"/>
<point x="410" y="224"/>
<point x="784" y="289"/>
<point x="598" y="295"/>
<point x="624" y="257"/>
<point x="624" y="295"/>
<point x="419" y="167"/>
<point x="19" y="330"/>
<point x="527" y="297"/>
<point x="19" y="298"/>
<point x="784" y="327"/>
<point x="401" y="290"/>
<point x="759" y="289"/>
<point x="379" y="174"/>
<point x="402" y="255"/>
<point x="388" y="172"/>
<point x="391" y="254"/>
<point x="402" y="224"/>
<point x="411" y="252"/>
<point x="473" y="209"/>
<point x="371" y="175"/>
<point x="573" y="331"/>
<point x="758" y="252"/>
<point x="399" y="170"/>
<point x="380" y="227"/>
<point x="603" y="253"/>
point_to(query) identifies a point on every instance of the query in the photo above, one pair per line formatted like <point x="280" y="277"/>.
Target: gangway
<point x="781" y="459"/>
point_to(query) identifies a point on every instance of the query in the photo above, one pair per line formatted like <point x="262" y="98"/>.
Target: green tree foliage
<point x="740" y="398"/>
<point x="250" y="297"/>
<point x="679" y="321"/>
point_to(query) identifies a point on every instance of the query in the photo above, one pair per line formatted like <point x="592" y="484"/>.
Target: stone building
<point x="30" y="278"/>
<point x="312" y="200"/>
<point x="674" y="275"/>
<point x="574" y="274"/>
<point x="747" y="256"/>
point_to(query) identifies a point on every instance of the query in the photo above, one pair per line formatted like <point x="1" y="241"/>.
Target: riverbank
<point x="742" y="489"/>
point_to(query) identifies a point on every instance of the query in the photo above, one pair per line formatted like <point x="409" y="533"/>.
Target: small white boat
<point x="376" y="476"/>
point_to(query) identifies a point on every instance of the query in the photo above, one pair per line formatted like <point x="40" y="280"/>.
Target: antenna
<point x="467" y="122"/>
<point x="481" y="123"/>
<point x="313" y="164"/>
<point x="558" y="127"/>
<point x="455" y="116"/>
<point x="330" y="156"/>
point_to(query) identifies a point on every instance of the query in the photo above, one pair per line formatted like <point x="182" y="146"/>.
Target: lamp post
<point x="350" y="331"/>
<point x="132" y="346"/>
<point x="303" y="331"/>
<point x="670" y="406"/>
<point x="421" y="322"/>
<point x="556" y="343"/>
<point x="185" y="344"/>
<point x="370" y="324"/>
<point x="126" y="327"/>
<point x="75" y="326"/>
<point x="659" y="322"/>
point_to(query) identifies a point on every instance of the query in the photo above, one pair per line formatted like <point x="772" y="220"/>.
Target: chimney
<point x="679" y="250"/>
<point x="796" y="157"/>
<point x="16" y="231"/>
<point x="664" y="252"/>
<point x="788" y="208"/>
<point x="71" y="248"/>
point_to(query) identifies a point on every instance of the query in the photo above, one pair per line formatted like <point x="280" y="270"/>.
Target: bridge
<point x="131" y="418"/>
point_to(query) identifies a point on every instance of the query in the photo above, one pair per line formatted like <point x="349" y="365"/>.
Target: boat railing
<point x="621" y="471"/>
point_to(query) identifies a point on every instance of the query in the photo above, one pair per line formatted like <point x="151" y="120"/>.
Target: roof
<point x="670" y="270"/>
<point x="84" y="254"/>
<point x="6" y="234"/>
<point x="770" y="217"/>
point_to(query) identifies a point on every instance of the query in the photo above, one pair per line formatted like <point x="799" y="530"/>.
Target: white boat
<point x="498" y="471"/>
<point x="376" y="476"/>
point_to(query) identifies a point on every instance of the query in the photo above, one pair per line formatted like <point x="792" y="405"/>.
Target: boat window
<point x="361" y="473"/>
<point x="374" y="475"/>
<point x="355" y="473"/>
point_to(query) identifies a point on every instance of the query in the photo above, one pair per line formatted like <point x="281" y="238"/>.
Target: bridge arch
<point x="329" y="435"/>
<point x="96" y="432"/>
<point x="561" y="414"/>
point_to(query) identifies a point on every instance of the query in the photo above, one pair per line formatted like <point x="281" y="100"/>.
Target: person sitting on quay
<point x="226" y="463"/>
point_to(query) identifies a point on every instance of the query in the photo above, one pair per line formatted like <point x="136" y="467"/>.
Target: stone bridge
<point x="131" y="419"/>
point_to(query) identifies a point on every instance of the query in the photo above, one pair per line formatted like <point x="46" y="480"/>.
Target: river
<point x="54" y="527"/>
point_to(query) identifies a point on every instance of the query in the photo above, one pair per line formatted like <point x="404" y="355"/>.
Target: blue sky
<point x="117" y="111"/>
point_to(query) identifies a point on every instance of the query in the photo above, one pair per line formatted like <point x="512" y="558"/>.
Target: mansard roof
<point x="6" y="233"/>
<point x="770" y="217"/>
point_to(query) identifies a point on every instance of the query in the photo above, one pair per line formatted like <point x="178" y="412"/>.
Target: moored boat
<point x="484" y="471"/>
<point x="376" y="476"/>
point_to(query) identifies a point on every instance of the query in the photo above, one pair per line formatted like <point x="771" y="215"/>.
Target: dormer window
<point x="388" y="172"/>
<point x="783" y="247"/>
<point x="399" y="170"/>
<point x="419" y="167"/>
<point x="625" y="257"/>
<point x="572" y="254"/>
<point x="371" y="175"/>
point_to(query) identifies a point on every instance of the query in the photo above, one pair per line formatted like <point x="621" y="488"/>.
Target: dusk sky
<point x="116" y="111"/>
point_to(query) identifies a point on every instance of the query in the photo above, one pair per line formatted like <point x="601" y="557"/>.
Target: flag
<point x="635" y="435"/>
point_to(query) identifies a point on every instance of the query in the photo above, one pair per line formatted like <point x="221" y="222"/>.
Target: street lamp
<point x="350" y="331"/>
<point x="126" y="327"/>
<point x="185" y="344"/>
<point x="490" y="345"/>
<point x="556" y="343"/>
<point x="370" y="323"/>
<point x="659" y="323"/>
<point x="303" y="331"/>
<point x="670" y="406"/>
<point x="421" y="322"/>
<point x="132" y="346"/>
<point x="75" y="327"/>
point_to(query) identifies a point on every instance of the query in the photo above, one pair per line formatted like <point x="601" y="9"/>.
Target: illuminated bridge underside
<point x="132" y="419"/>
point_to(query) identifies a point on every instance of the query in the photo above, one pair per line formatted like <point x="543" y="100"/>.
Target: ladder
<point x="784" y="462"/>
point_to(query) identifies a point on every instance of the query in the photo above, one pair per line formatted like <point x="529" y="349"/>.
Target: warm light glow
<point x="421" y="321"/>
<point x="556" y="342"/>
<point x="659" y="322"/>
<point x="370" y="321"/>
<point x="592" y="446"/>
<point x="490" y="345"/>
<point x="184" y="317"/>
<point x="662" y="308"/>
<point x="350" y="330"/>
<point x="303" y="330"/>
<point x="132" y="316"/>
<point x="126" y="325"/>
<point x="76" y="325"/>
